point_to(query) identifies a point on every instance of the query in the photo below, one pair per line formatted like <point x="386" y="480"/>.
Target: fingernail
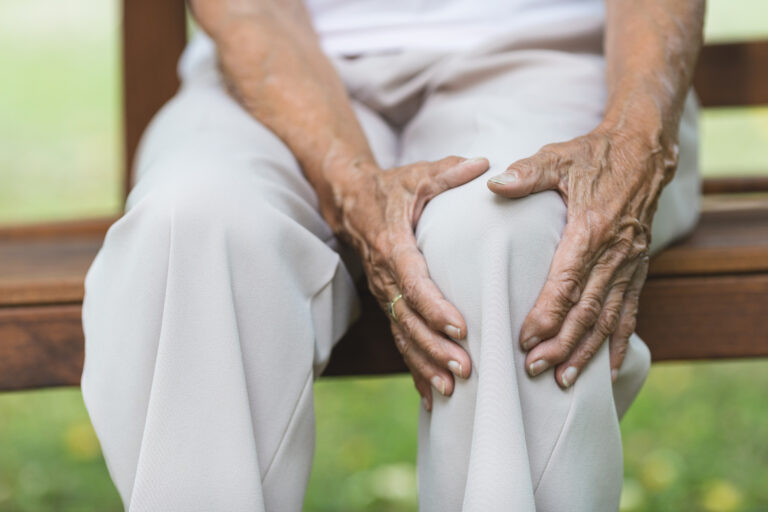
<point x="504" y="178"/>
<point x="456" y="368"/>
<point x="474" y="160"/>
<point x="614" y="374"/>
<point x="537" y="367"/>
<point x="439" y="384"/>
<point x="569" y="375"/>
<point x="425" y="403"/>
<point x="530" y="342"/>
<point x="453" y="331"/>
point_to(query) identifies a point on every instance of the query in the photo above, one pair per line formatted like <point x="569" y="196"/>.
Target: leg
<point x="213" y="303"/>
<point x="504" y="441"/>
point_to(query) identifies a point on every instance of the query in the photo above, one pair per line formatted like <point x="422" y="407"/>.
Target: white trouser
<point x="216" y="299"/>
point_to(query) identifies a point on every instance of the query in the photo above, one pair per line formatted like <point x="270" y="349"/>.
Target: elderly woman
<point x="311" y="146"/>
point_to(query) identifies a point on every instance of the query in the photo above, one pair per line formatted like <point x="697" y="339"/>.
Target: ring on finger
<point x="391" y="306"/>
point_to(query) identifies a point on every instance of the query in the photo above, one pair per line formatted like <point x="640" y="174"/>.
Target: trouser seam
<point x="555" y="445"/>
<point x="307" y="385"/>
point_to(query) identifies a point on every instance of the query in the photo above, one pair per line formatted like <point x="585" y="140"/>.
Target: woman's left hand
<point x="610" y="182"/>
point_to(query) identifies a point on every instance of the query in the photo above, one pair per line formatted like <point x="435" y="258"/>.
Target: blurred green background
<point x="695" y="440"/>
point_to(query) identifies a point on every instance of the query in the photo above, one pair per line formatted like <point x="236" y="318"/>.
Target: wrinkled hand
<point x="610" y="184"/>
<point x="379" y="220"/>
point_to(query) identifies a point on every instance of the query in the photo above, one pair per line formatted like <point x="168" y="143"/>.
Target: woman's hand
<point x="610" y="182"/>
<point x="378" y="217"/>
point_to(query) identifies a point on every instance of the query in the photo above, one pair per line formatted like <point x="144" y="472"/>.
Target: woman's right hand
<point x="378" y="218"/>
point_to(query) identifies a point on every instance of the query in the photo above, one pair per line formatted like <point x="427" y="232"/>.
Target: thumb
<point x="525" y="177"/>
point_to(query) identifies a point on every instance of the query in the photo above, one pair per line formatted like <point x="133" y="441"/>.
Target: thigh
<point x="203" y="142"/>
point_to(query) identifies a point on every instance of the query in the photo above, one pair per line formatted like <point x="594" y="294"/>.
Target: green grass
<point x="694" y="440"/>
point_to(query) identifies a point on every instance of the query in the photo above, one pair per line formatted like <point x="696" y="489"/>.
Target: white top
<point x="358" y="26"/>
<point x="351" y="27"/>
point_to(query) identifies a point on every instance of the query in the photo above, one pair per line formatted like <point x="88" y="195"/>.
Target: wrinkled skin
<point x="611" y="185"/>
<point x="379" y="222"/>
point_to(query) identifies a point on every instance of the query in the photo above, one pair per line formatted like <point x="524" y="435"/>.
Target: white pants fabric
<point x="217" y="297"/>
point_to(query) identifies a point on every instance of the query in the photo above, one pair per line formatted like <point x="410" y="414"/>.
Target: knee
<point x="472" y="226"/>
<point x="203" y="203"/>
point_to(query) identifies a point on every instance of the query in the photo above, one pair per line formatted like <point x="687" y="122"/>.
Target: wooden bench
<point x="706" y="297"/>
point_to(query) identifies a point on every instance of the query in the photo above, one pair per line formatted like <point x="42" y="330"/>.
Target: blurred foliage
<point x="694" y="440"/>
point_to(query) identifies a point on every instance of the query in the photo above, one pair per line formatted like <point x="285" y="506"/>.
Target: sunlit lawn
<point x="694" y="440"/>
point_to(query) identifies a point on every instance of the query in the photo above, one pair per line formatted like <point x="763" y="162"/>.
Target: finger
<point x="444" y="353"/>
<point x="421" y="364"/>
<point x="561" y="291"/>
<point x="421" y="293"/>
<point x="451" y="172"/>
<point x="611" y="271"/>
<point x="421" y="384"/>
<point x="619" y="341"/>
<point x="567" y="372"/>
<point x="533" y="174"/>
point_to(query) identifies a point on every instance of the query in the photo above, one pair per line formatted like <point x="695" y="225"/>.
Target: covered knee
<point x="201" y="201"/>
<point x="473" y="226"/>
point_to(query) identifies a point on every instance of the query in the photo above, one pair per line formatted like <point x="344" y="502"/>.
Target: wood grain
<point x="154" y="35"/>
<point x="705" y="317"/>
<point x="725" y="241"/>
<point x="731" y="185"/>
<point x="40" y="346"/>
<point x="733" y="74"/>
<point x="46" y="263"/>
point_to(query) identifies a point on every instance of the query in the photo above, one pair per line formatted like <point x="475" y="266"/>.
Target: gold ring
<point x="391" y="306"/>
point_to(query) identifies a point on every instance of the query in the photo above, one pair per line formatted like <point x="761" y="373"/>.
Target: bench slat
<point x="707" y="296"/>
<point x="733" y="74"/>
<point x="40" y="346"/>
<point x="681" y="318"/>
<point x="46" y="264"/>
<point x="726" y="241"/>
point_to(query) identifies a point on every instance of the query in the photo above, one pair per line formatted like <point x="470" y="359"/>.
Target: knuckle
<point x="433" y="351"/>
<point x="625" y="248"/>
<point x="584" y="356"/>
<point x="429" y="310"/>
<point x="409" y="286"/>
<point x="591" y="306"/>
<point x="631" y="324"/>
<point x="625" y="328"/>
<point x="579" y="323"/>
<point x="610" y="319"/>
<point x="561" y="351"/>
<point x="409" y="323"/>
<point x="453" y="160"/>
<point x="545" y="322"/>
<point x="569" y="288"/>
<point x="402" y="345"/>
<point x="521" y="168"/>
